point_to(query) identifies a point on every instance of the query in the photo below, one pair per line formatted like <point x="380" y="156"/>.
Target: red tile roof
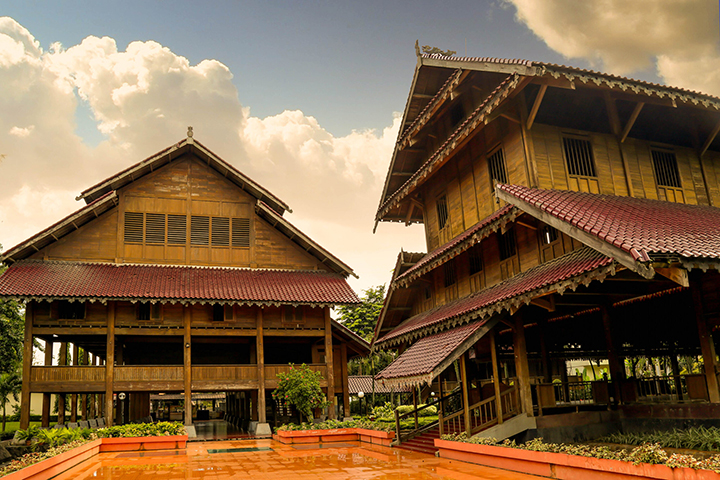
<point x="645" y="229"/>
<point x="555" y="274"/>
<point x="364" y="383"/>
<point x="455" y="246"/>
<point x="427" y="353"/>
<point x="58" y="280"/>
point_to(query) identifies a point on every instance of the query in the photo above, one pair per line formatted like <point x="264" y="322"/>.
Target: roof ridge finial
<point x="417" y="47"/>
<point x="190" y="134"/>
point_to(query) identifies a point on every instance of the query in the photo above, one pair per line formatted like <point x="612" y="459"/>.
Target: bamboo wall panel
<point x="67" y="374"/>
<point x="224" y="373"/>
<point x="696" y="174"/>
<point x="148" y="373"/>
<point x="603" y="166"/>
<point x="515" y="156"/>
<point x="619" y="185"/>
<point x="711" y="162"/>
<point x="455" y="204"/>
<point x="538" y="134"/>
<point x="630" y="151"/>
<point x="273" y="249"/>
<point x="467" y="191"/>
<point x="95" y="241"/>
<point x="688" y="179"/>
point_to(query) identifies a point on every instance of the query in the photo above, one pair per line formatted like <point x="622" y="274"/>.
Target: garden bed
<point x="335" y="435"/>
<point x="562" y="465"/>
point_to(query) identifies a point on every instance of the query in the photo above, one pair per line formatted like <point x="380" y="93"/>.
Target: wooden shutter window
<point x="218" y="313"/>
<point x="476" y="262"/>
<point x="507" y="245"/>
<point x="666" y="168"/>
<point x="579" y="157"/>
<point x="220" y="231"/>
<point x="228" y="312"/>
<point x="449" y="274"/>
<point x="241" y="232"/>
<point x="155" y="228"/>
<point x="133" y="227"/>
<point x="548" y="235"/>
<point x="176" y="229"/>
<point x="143" y="311"/>
<point x="442" y="211"/>
<point x="71" y="310"/>
<point x="199" y="230"/>
<point x="496" y="165"/>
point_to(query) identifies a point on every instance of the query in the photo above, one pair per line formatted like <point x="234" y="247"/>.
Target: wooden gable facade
<point x="180" y="274"/>
<point x="558" y="203"/>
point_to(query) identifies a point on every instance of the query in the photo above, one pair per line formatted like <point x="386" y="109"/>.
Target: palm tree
<point x="10" y="386"/>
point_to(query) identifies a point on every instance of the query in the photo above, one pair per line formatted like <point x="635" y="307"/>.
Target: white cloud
<point x="677" y="37"/>
<point x="143" y="99"/>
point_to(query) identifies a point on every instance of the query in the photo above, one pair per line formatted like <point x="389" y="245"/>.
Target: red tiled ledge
<point x="335" y="435"/>
<point x="54" y="466"/>
<point x="563" y="466"/>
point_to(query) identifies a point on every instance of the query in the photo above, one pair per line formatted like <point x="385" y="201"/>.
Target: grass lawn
<point x="15" y="425"/>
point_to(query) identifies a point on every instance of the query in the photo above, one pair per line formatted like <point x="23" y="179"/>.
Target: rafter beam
<point x="676" y="274"/>
<point x="535" y="107"/>
<point x="631" y="121"/>
<point x="710" y="139"/>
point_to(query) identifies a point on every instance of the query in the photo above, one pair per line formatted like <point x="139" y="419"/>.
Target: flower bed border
<point x="375" y="437"/>
<point x="563" y="466"/>
<point x="54" y="466"/>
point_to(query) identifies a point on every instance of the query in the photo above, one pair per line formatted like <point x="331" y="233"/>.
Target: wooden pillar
<point x="465" y="393"/>
<point x="109" y="365"/>
<point x="521" y="365"/>
<point x="187" y="365"/>
<point x="544" y="354"/>
<point x="496" y="376"/>
<point x="120" y="404"/>
<point x="47" y="398"/>
<point x="260" y="354"/>
<point x="330" y="365"/>
<point x="675" y="371"/>
<point x="27" y="365"/>
<point x="415" y="404"/>
<point x="74" y="397"/>
<point x="345" y="387"/>
<point x="617" y="371"/>
<point x="441" y="403"/>
<point x="84" y="406"/>
<point x="707" y="345"/>
<point x="61" y="396"/>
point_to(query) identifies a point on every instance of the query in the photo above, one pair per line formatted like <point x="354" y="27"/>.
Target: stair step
<point x="427" y="450"/>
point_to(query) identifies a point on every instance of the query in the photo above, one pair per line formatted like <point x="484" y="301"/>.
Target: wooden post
<point x="617" y="372"/>
<point x="521" y="365"/>
<point x="61" y="396"/>
<point x="260" y="353"/>
<point x="345" y="386"/>
<point x="120" y="404"/>
<point x="441" y="411"/>
<point x="187" y="365"/>
<point x="675" y="371"/>
<point x="496" y="377"/>
<point x="544" y="354"/>
<point x="74" y="397"/>
<point x="329" y="365"/>
<point x="109" y="365"/>
<point x="47" y="398"/>
<point x="27" y="365"/>
<point x="415" y="404"/>
<point x="465" y="394"/>
<point x="84" y="406"/>
<point x="706" y="345"/>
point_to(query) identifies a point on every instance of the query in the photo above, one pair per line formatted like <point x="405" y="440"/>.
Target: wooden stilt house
<point x="180" y="274"/>
<point x="568" y="214"/>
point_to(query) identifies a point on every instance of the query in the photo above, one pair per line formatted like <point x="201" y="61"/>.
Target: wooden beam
<point x="465" y="394"/>
<point x="676" y="274"/>
<point x="84" y="402"/>
<point x="496" y="377"/>
<point x="631" y="121"/>
<point x="27" y="365"/>
<point x="110" y="364"/>
<point x="546" y="302"/>
<point x="617" y="370"/>
<point x="521" y="365"/>
<point x="408" y="217"/>
<point x="260" y="354"/>
<point x="707" y="345"/>
<point x="61" y="398"/>
<point x="45" y="421"/>
<point x="536" y="106"/>
<point x="187" y="364"/>
<point x="74" y="397"/>
<point x="710" y="139"/>
<point x="330" y="364"/>
<point x="345" y="386"/>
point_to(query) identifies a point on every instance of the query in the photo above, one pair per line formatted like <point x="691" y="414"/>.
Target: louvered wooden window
<point x="71" y="310"/>
<point x="476" y="262"/>
<point x="548" y="235"/>
<point x="579" y="157"/>
<point x="155" y="228"/>
<point x="228" y="312"/>
<point x="240" y="232"/>
<point x="133" y="227"/>
<point x="450" y="277"/>
<point x="220" y="231"/>
<point x="428" y="293"/>
<point x="507" y="245"/>
<point x="442" y="211"/>
<point x="199" y="230"/>
<point x="218" y="313"/>
<point x="496" y="165"/>
<point x="143" y="311"/>
<point x="176" y="229"/>
<point x="293" y="314"/>
<point x="666" y="168"/>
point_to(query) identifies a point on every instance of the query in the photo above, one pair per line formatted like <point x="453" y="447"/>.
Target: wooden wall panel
<point x="455" y="204"/>
<point x="467" y="191"/>
<point x="515" y="156"/>
<point x="603" y="166"/>
<point x="693" y="187"/>
<point x="619" y="185"/>
<point x="527" y="247"/>
<point x="542" y="160"/>
<point x="273" y="249"/>
<point x="711" y="162"/>
<point x="630" y="148"/>
<point x="95" y="241"/>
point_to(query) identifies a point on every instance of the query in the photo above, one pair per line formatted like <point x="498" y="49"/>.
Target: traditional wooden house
<point x="180" y="274"/>
<point x="568" y="214"/>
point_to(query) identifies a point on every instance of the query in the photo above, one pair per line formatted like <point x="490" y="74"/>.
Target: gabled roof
<point x="358" y="344"/>
<point x="634" y="231"/>
<point x="364" y="383"/>
<point x="568" y="271"/>
<point x="56" y="280"/>
<point x="187" y="145"/>
<point x="61" y="228"/>
<point x="309" y="245"/>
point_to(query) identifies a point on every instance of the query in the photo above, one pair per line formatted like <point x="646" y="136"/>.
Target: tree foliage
<point x="12" y="330"/>
<point x="362" y="318"/>
<point x="427" y="49"/>
<point x="10" y="387"/>
<point x="300" y="387"/>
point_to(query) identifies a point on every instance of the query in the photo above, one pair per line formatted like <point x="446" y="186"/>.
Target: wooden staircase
<point x="424" y="442"/>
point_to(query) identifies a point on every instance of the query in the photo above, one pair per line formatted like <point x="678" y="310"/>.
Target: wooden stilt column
<point x="544" y="354"/>
<point x="345" y="387"/>
<point x="440" y="407"/>
<point x="521" y="365"/>
<point x="707" y="345"/>
<point x="84" y="402"/>
<point x="27" y="365"/>
<point x="120" y="404"/>
<point x="465" y="393"/>
<point x="47" y="398"/>
<point x="109" y="365"/>
<point x="496" y="376"/>
<point x="260" y="353"/>
<point x="187" y="366"/>
<point x="330" y="365"/>
<point x="74" y="397"/>
<point x="61" y="396"/>
<point x="617" y="370"/>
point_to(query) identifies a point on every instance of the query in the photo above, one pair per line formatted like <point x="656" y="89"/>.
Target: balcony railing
<point x="148" y="373"/>
<point x="68" y="373"/>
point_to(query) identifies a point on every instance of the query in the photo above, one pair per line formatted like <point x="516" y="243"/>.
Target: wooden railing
<point x="68" y="373"/>
<point x="401" y="436"/>
<point x="224" y="372"/>
<point x="483" y="414"/>
<point x="149" y="373"/>
<point x="271" y="371"/>
<point x="663" y="389"/>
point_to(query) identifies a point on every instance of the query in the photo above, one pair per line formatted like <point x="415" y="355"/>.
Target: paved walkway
<point x="267" y="459"/>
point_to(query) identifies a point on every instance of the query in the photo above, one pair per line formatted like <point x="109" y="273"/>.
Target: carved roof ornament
<point x="190" y="134"/>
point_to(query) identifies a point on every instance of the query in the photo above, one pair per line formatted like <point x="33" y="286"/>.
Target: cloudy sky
<point x="303" y="96"/>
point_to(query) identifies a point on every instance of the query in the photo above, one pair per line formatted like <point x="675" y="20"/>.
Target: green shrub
<point x="159" y="429"/>
<point x="300" y="386"/>
<point x="333" y="424"/>
<point x="428" y="412"/>
<point x="697" y="438"/>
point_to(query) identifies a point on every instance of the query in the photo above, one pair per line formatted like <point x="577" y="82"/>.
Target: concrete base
<point x="509" y="428"/>
<point x="252" y="426"/>
<point x="347" y="419"/>
<point x="263" y="429"/>
<point x="190" y="429"/>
